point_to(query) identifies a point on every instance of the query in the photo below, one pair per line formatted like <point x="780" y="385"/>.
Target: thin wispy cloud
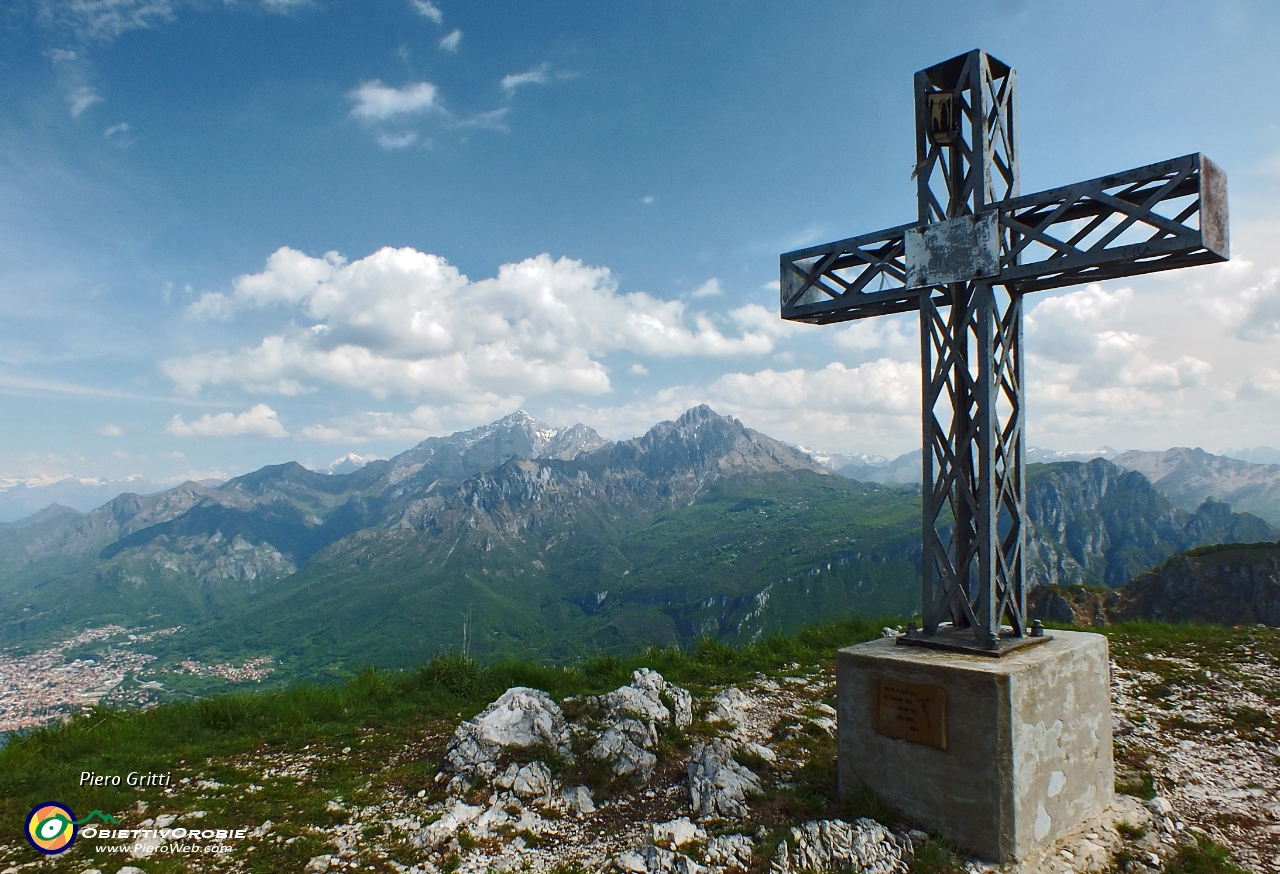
<point x="119" y="135"/>
<point x="375" y="101"/>
<point x="450" y="42"/>
<point x="283" y="7"/>
<point x="81" y="99"/>
<point x="536" y="76"/>
<point x="427" y="9"/>
<point x="104" y="20"/>
<point x="397" y="141"/>
<point x="17" y="384"/>
<point x="73" y="75"/>
<point x="491" y="120"/>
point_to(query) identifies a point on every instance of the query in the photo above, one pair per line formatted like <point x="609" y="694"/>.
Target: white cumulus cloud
<point x="375" y="101"/>
<point x="422" y="422"/>
<point x="1079" y="340"/>
<point x="259" y="421"/>
<point x="873" y="407"/>
<point x="710" y="288"/>
<point x="405" y="322"/>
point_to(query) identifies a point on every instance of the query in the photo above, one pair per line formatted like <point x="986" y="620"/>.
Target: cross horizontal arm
<point x="1159" y="217"/>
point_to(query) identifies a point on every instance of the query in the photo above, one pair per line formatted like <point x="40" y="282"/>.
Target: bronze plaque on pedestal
<point x="911" y="711"/>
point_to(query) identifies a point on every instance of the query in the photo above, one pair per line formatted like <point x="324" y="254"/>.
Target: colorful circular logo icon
<point x="51" y="827"/>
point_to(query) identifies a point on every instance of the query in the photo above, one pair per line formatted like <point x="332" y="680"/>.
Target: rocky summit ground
<point x="654" y="778"/>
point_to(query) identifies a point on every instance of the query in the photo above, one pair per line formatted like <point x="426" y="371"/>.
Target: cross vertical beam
<point x="973" y="463"/>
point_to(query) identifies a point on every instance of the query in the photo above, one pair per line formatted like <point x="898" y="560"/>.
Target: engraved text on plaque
<point x="911" y="711"/>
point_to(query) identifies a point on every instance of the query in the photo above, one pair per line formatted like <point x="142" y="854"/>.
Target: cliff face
<point x="1235" y="584"/>
<point x="1225" y="587"/>
<point x="1096" y="524"/>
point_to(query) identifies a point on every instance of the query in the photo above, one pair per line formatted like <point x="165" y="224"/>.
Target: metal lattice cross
<point x="976" y="248"/>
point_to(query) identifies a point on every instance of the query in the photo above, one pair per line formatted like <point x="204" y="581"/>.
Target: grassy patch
<point x="1204" y="857"/>
<point x="1139" y="785"/>
<point x="1129" y="831"/>
<point x="936" y="856"/>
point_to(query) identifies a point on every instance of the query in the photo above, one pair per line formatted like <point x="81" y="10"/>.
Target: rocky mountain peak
<point x="466" y="453"/>
<point x="702" y="442"/>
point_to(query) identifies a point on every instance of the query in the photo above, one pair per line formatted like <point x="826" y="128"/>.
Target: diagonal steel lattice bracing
<point x="976" y="248"/>
<point x="1159" y="217"/>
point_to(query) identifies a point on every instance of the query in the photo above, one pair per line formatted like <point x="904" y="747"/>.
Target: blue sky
<point x="238" y="233"/>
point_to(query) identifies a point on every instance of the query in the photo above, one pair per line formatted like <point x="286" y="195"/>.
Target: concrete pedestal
<point x="999" y="755"/>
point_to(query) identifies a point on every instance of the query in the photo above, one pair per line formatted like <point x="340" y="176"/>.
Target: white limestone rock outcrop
<point x="675" y="833"/>
<point x="530" y="782"/>
<point x="719" y="786"/>
<point x="628" y="721"/>
<point x="864" y="845"/>
<point x="729" y="852"/>
<point x="521" y="717"/>
<point x="730" y="706"/>
<point x="659" y="860"/>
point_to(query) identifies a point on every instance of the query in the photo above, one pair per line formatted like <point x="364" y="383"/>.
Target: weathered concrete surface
<point x="1028" y="755"/>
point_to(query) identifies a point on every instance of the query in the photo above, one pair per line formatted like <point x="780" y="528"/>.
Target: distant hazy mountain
<point x="906" y="468"/>
<point x="834" y="461"/>
<point x="903" y="469"/>
<point x="21" y="498"/>
<point x="1189" y="476"/>
<point x="1040" y="455"/>
<point x="349" y="463"/>
<point x="1257" y="455"/>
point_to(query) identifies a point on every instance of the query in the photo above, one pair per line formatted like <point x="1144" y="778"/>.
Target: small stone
<point x="318" y="863"/>
<point x="1160" y="806"/>
<point x="579" y="799"/>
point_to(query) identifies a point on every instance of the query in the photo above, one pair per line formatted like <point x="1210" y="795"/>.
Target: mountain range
<point x="518" y="538"/>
